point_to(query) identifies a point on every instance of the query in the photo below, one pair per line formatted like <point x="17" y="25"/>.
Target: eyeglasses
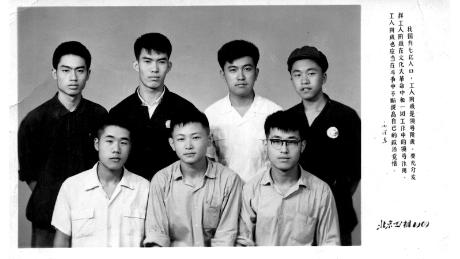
<point x="278" y="143"/>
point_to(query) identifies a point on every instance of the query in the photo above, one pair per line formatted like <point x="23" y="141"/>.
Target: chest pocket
<point x="133" y="221"/>
<point x="303" y="229"/>
<point x="83" y="223"/>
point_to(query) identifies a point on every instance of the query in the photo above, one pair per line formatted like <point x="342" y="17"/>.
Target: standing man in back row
<point x="237" y="120"/>
<point x="332" y="131"/>
<point x="55" y="140"/>
<point x="149" y="110"/>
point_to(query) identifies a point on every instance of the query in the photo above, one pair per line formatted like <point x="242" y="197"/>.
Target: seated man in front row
<point x="286" y="205"/>
<point x="104" y="206"/>
<point x="194" y="201"/>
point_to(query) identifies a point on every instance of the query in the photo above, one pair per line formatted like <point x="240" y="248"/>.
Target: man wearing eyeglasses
<point x="285" y="205"/>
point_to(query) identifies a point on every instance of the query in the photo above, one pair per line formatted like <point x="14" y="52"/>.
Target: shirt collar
<point x="59" y="109"/>
<point x="92" y="181"/>
<point x="229" y="108"/>
<point x="303" y="179"/>
<point x="156" y="102"/>
<point x="210" y="173"/>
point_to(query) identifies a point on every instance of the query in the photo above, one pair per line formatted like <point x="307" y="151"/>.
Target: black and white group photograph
<point x="273" y="125"/>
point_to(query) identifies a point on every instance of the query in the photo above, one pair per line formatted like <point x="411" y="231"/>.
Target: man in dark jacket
<point x="55" y="140"/>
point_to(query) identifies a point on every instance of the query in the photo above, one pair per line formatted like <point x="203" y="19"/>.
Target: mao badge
<point x="168" y="124"/>
<point x="332" y="132"/>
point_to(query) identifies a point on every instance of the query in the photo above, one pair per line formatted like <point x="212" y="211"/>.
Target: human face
<point x="71" y="75"/>
<point x="190" y="141"/>
<point x="240" y="76"/>
<point x="113" y="146"/>
<point x="286" y="156"/>
<point x="308" y="79"/>
<point x="152" y="68"/>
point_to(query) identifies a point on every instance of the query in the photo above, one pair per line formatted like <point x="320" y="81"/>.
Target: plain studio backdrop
<point x="196" y="33"/>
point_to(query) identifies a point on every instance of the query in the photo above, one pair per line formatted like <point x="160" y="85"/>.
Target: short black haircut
<point x="284" y="121"/>
<point x="237" y="49"/>
<point x="73" y="48"/>
<point x="152" y="41"/>
<point x="111" y="121"/>
<point x="187" y="117"/>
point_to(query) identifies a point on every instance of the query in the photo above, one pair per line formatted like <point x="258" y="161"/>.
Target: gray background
<point x="196" y="34"/>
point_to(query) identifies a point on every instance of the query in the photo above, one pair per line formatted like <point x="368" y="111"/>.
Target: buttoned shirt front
<point x="179" y="214"/>
<point x="304" y="215"/>
<point x="84" y="212"/>
<point x="151" y="107"/>
<point x="238" y="141"/>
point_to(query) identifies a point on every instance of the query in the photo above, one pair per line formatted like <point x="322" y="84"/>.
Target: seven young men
<point x="332" y="131"/>
<point x="237" y="120"/>
<point x="103" y="206"/>
<point x="194" y="201"/>
<point x="149" y="110"/>
<point x="55" y="140"/>
<point x="286" y="205"/>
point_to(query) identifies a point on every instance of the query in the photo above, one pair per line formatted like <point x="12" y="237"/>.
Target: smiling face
<point x="113" y="146"/>
<point x="152" y="68"/>
<point x="240" y="76"/>
<point x="308" y="79"/>
<point x="284" y="149"/>
<point x="71" y="75"/>
<point x="190" y="141"/>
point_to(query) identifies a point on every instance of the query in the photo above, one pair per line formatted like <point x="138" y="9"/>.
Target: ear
<point x="89" y="73"/>
<point x="169" y="66"/>
<point x="222" y="73"/>
<point x="54" y="73"/>
<point x="324" y="78"/>
<point x="136" y="65"/>
<point x="257" y="73"/>
<point x="96" y="144"/>
<point x="303" y="145"/>
<point x="171" y="143"/>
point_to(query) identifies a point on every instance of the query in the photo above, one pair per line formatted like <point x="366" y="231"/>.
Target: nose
<point x="305" y="79"/>
<point x="73" y="75"/>
<point x="116" y="148"/>
<point x="284" y="147"/>
<point x="241" y="75"/>
<point x="154" y="67"/>
<point x="188" y="144"/>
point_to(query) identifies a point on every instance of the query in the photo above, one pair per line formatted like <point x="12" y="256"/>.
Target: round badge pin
<point x="168" y="124"/>
<point x="332" y="132"/>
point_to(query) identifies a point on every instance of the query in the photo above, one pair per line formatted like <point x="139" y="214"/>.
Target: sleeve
<point x="247" y="219"/>
<point x="29" y="161"/>
<point x="227" y="228"/>
<point x="156" y="222"/>
<point x="61" y="219"/>
<point x="327" y="230"/>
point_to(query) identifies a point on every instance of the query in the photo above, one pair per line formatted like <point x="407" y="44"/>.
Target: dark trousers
<point x="42" y="237"/>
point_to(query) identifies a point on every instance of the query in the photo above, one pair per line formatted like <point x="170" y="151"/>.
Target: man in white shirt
<point x="104" y="206"/>
<point x="237" y="120"/>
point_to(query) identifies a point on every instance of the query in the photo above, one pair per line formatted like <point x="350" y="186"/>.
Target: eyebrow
<point x="278" y="137"/>
<point x="65" y="66"/>
<point x="113" y="137"/>
<point x="149" y="58"/>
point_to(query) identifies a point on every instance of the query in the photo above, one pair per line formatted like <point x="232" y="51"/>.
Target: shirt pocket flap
<point x="82" y="214"/>
<point x="134" y="213"/>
